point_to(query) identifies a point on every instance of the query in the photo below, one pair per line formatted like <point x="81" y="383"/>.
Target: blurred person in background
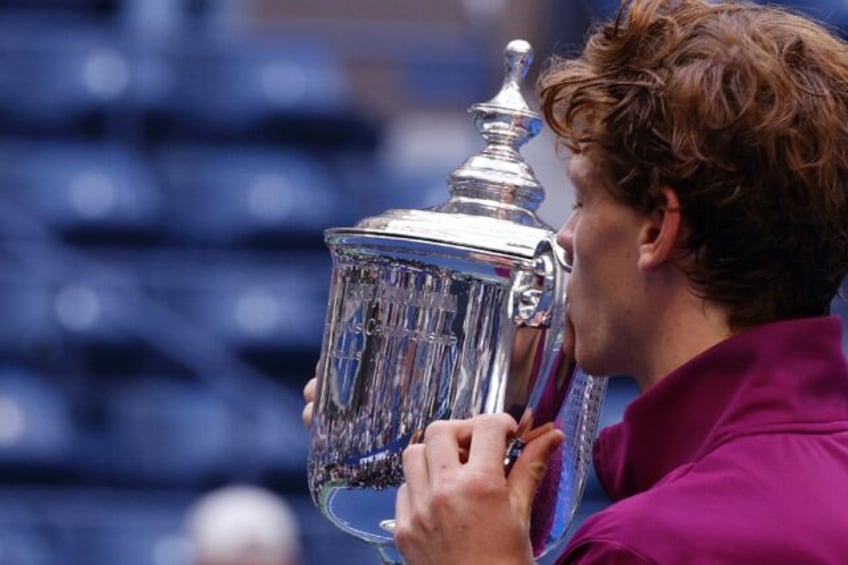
<point x="243" y="525"/>
<point x="708" y="240"/>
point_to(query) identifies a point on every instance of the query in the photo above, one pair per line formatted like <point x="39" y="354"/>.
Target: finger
<point x="416" y="474"/>
<point x="536" y="432"/>
<point x="445" y="442"/>
<point x="402" y="508"/>
<point x="525" y="424"/>
<point x="529" y="470"/>
<point x="488" y="444"/>
<point x="307" y="414"/>
<point x="309" y="390"/>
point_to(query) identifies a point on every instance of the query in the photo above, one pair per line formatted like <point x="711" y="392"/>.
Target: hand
<point x="457" y="505"/>
<point x="309" y="397"/>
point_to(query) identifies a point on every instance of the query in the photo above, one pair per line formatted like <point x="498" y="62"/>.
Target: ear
<point x="662" y="230"/>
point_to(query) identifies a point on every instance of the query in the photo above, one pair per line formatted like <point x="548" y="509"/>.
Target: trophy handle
<point x="546" y="389"/>
<point x="542" y="365"/>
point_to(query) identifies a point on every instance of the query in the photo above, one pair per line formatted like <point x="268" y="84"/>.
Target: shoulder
<point x="602" y="552"/>
<point x="657" y="526"/>
<point x="626" y="532"/>
<point x="691" y="511"/>
<point x="761" y="499"/>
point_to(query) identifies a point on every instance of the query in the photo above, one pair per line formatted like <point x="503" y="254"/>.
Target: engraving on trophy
<point x="390" y="330"/>
<point x="354" y="329"/>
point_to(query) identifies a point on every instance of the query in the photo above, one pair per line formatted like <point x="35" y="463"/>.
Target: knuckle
<point x="411" y="452"/>
<point x="500" y="420"/>
<point x="309" y="389"/>
<point x="441" y="498"/>
<point x="483" y="485"/>
<point x="404" y="533"/>
<point x="419" y="524"/>
<point x="439" y="427"/>
<point x="306" y="415"/>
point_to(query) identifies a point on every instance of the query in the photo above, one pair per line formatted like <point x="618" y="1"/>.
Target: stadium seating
<point x="167" y="171"/>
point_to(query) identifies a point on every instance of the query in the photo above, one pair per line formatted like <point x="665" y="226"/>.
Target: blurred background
<point x="167" y="168"/>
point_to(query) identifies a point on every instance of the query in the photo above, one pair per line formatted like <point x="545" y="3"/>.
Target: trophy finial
<point x="508" y="114"/>
<point x="498" y="181"/>
<point x="518" y="56"/>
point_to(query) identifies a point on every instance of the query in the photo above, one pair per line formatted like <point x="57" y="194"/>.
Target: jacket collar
<point x="784" y="375"/>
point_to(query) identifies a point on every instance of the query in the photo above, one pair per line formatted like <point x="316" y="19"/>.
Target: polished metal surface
<point x="448" y="313"/>
<point x="493" y="195"/>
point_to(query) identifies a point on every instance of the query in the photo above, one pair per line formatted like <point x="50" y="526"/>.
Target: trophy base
<point x="366" y="513"/>
<point x="389" y="555"/>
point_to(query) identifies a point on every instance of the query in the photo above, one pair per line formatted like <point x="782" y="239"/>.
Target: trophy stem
<point x="389" y="555"/>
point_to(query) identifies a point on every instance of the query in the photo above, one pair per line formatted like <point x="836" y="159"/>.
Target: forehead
<point x="581" y="170"/>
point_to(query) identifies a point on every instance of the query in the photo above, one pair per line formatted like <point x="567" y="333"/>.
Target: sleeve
<point x="598" y="552"/>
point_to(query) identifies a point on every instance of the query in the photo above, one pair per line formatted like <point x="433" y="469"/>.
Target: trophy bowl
<point x="447" y="313"/>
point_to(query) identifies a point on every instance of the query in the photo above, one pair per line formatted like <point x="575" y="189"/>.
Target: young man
<point x="710" y="234"/>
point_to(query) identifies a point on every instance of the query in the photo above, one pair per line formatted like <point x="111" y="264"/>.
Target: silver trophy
<point x="451" y="312"/>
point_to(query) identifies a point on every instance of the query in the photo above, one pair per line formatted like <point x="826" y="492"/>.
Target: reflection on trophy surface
<point x="451" y="312"/>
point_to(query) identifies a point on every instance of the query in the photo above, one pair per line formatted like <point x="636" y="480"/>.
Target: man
<point x="710" y="234"/>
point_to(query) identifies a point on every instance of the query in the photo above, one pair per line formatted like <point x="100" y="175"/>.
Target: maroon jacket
<point x="739" y="456"/>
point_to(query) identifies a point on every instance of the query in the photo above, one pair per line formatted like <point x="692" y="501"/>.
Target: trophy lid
<point x="494" y="194"/>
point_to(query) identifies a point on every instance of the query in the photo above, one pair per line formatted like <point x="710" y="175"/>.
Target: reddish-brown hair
<point x="743" y="110"/>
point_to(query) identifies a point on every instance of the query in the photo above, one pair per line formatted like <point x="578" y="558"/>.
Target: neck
<point x="684" y="327"/>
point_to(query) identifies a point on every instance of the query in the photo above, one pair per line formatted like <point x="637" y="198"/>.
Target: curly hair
<point x="743" y="110"/>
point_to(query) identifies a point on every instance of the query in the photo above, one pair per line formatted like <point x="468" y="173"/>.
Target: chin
<point x="594" y="370"/>
<point x="593" y="364"/>
<point x="587" y="363"/>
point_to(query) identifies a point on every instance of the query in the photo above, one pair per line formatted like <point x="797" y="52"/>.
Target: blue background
<point x="167" y="168"/>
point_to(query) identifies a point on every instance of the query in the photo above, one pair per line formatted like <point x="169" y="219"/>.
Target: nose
<point x="565" y="239"/>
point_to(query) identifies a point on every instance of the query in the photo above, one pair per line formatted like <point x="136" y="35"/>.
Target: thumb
<point x="529" y="469"/>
